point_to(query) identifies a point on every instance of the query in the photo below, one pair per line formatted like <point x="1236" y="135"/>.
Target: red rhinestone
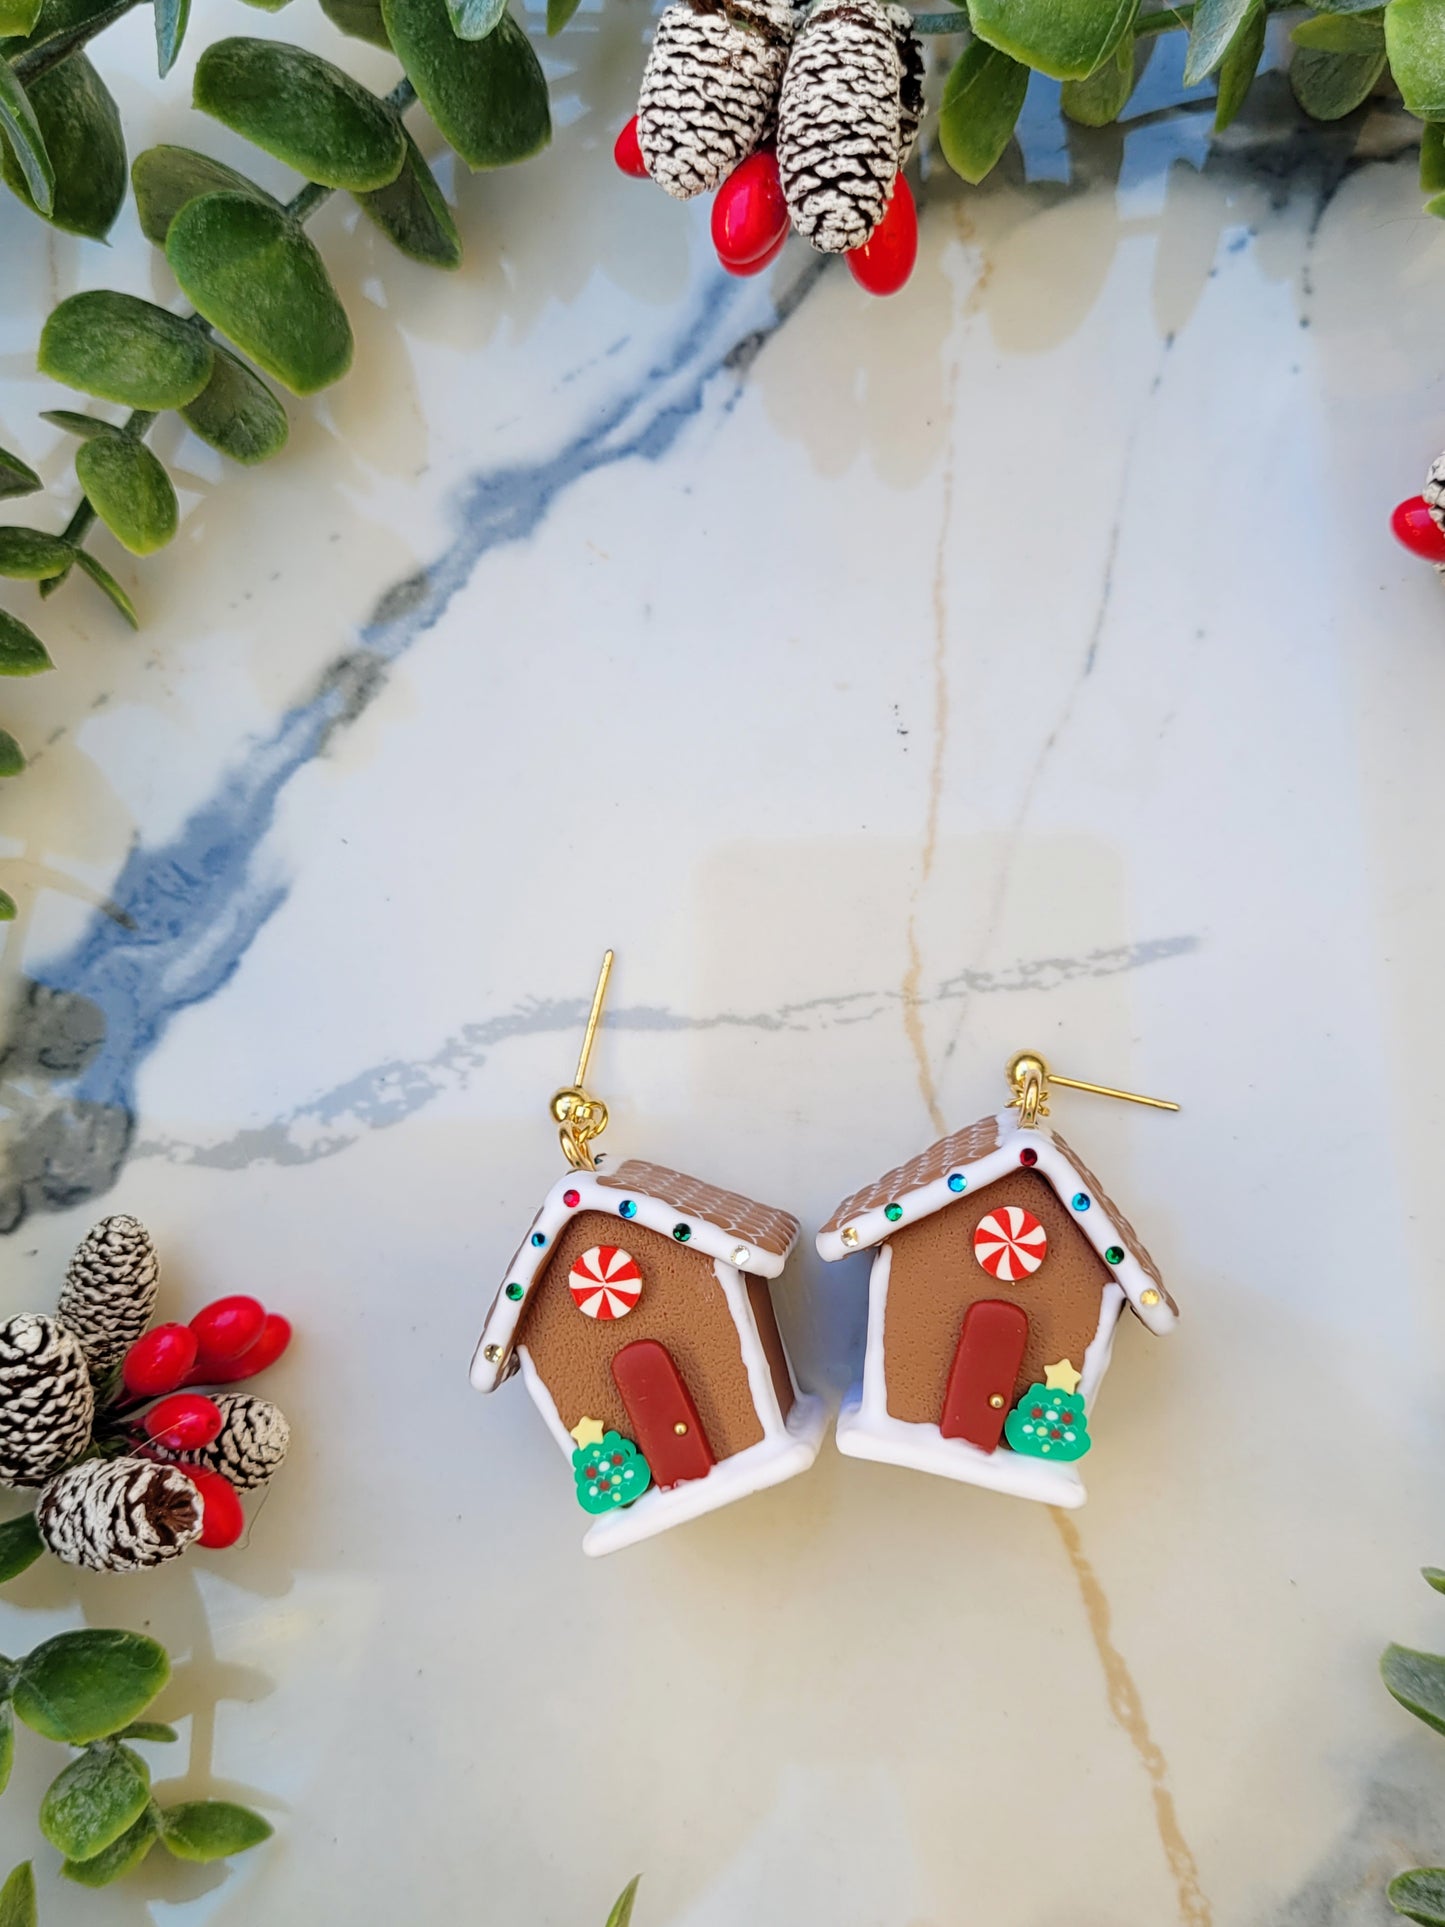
<point x="1414" y="525"/>
<point x="1028" y="1157"/>
<point x="571" y="1199"/>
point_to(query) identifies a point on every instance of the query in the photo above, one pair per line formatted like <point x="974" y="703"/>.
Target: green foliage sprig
<point x="263" y="304"/>
<point x="1417" y="1681"/>
<point x="88" y="1690"/>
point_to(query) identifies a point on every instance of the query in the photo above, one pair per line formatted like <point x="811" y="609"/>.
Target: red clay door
<point x="664" y="1418"/>
<point x="985" y="1366"/>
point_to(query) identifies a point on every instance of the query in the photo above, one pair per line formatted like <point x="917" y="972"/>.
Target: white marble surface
<point x="1024" y="661"/>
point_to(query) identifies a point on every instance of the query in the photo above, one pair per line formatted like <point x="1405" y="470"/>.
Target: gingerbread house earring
<point x="1000" y="1270"/>
<point x="639" y="1314"/>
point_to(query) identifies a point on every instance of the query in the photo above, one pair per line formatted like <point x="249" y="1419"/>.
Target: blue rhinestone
<point x="957" y="1181"/>
<point x="627" y="1208"/>
<point x="1081" y="1201"/>
<point x="539" y="1238"/>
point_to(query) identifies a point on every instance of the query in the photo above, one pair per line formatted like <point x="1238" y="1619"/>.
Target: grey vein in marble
<point x="387" y="1094"/>
<point x="191" y="907"/>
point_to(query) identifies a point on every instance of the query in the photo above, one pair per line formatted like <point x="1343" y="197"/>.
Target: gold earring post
<point x="1031" y="1077"/>
<point x="580" y="1116"/>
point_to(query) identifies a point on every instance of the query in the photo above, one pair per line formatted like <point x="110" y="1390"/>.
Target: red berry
<point x="886" y="258"/>
<point x="227" y="1328"/>
<point x="183" y="1422"/>
<point x="222" y="1520"/>
<point x="159" y="1361"/>
<point x="1415" y="526"/>
<point x="749" y="214"/>
<point x="763" y="261"/>
<point x="627" y="154"/>
<point x="275" y="1337"/>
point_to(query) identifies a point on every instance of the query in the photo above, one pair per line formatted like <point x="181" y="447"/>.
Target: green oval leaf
<point x="94" y="1801"/>
<point x="57" y="17"/>
<point x="129" y="491"/>
<point x="17" y="1898"/>
<point x="237" y="413"/>
<point x="1417" y="1681"/>
<point x="254" y="275"/>
<point x="211" y="1829"/>
<point x="18" y="17"/>
<point x="171" y="19"/>
<point x="621" y="1915"/>
<point x="120" y="348"/>
<point x="489" y="97"/>
<point x="81" y="1686"/>
<point x="1433" y="1575"/>
<point x="7" y="1716"/>
<point x="981" y="103"/>
<point x="16" y="477"/>
<point x="29" y="555"/>
<point x="165" y="178"/>
<point x="412" y="213"/>
<point x="1211" y="32"/>
<point x="7" y="1721"/>
<point x="1240" y="65"/>
<point x="474" y="19"/>
<point x="359" y="18"/>
<point x="1067" y="39"/>
<point x="1342" y="33"/>
<point x="303" y="110"/>
<point x="22" y="653"/>
<point x="117" y="1859"/>
<point x="559" y="12"/>
<point x="12" y="756"/>
<point x="86" y="426"/>
<point x="1415" y="39"/>
<point x="20" y="1546"/>
<point x="81" y="125"/>
<point x="1419" y="1895"/>
<point x="22" y="134"/>
<point x="152" y="1731"/>
<point x="107" y="584"/>
<point x="1099" y="100"/>
<point x="1329" y="86"/>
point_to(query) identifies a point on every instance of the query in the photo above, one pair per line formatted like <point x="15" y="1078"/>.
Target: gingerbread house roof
<point x="721" y="1224"/>
<point x="980" y="1155"/>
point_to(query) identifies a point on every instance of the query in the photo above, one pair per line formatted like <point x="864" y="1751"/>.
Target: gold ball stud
<point x="1025" y="1064"/>
<point x="680" y="1429"/>
<point x="492" y="1354"/>
<point x="850" y="1235"/>
<point x="997" y="1401"/>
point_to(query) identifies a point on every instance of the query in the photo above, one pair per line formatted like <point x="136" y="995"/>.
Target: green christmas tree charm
<point x="610" y="1473"/>
<point x="1048" y="1424"/>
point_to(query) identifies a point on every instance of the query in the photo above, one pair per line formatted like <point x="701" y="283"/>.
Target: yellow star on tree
<point x="588" y="1431"/>
<point x="1061" y="1377"/>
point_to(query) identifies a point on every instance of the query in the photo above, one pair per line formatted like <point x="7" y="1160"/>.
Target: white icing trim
<point x="750" y="1342"/>
<point x="770" y="1462"/>
<point x="923" y="1448"/>
<point x="875" y="1359"/>
<point x="532" y="1260"/>
<point x="872" y="1227"/>
<point x="1095" y="1361"/>
<point x="545" y="1403"/>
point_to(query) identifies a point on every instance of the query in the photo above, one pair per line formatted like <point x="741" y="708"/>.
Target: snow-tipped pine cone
<point x="250" y="1445"/>
<point x="109" y="1292"/>
<point x="839" y="120"/>
<point x="119" y="1515"/>
<point x="710" y="88"/>
<point x="1434" y="492"/>
<point x="910" y="83"/>
<point x="47" y="1406"/>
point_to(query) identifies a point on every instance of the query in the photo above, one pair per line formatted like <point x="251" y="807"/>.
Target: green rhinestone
<point x="1114" y="1255"/>
<point x="893" y="1212"/>
<point x="514" y="1292"/>
<point x="682" y="1232"/>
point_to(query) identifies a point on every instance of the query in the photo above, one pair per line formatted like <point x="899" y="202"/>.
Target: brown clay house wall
<point x="766" y="1319"/>
<point x="934" y="1278"/>
<point x="682" y="1306"/>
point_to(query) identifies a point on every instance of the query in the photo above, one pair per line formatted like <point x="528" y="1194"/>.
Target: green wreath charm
<point x="1048" y="1424"/>
<point x="610" y="1474"/>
